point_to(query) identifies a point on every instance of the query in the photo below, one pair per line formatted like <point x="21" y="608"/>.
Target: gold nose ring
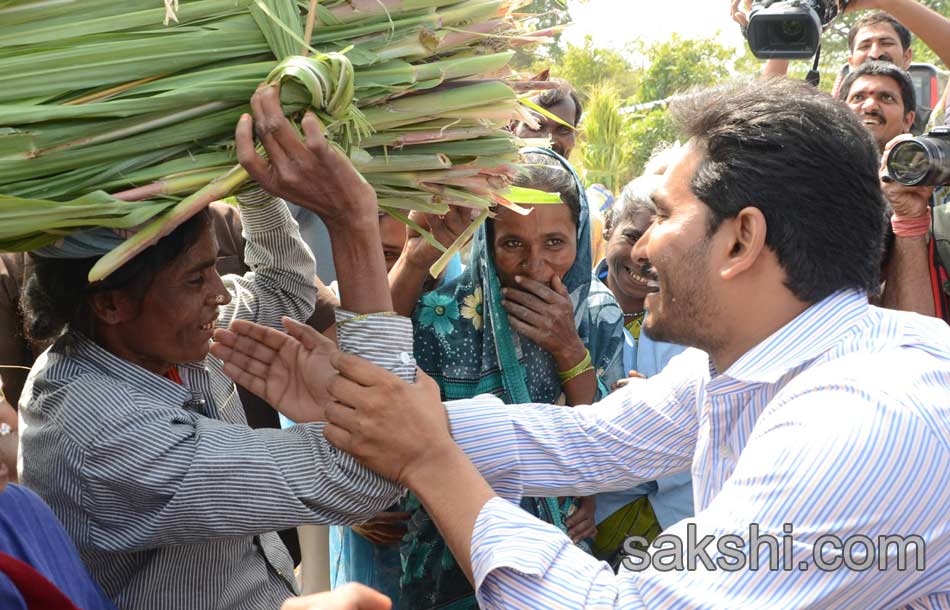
<point x="219" y="299"/>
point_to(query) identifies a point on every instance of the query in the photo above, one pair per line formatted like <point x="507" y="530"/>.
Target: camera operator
<point x="884" y="36"/>
<point x="882" y="95"/>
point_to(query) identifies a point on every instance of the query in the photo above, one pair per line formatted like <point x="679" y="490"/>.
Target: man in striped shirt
<point x="813" y="423"/>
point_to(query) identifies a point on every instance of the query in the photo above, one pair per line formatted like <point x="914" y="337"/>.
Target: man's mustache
<point x="875" y="114"/>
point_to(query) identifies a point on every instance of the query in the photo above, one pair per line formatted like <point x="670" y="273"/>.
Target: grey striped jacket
<point x="171" y="498"/>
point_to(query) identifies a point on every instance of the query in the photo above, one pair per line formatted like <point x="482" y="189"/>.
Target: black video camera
<point x="922" y="161"/>
<point x="790" y="29"/>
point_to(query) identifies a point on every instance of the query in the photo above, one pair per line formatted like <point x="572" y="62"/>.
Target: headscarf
<point x="463" y="340"/>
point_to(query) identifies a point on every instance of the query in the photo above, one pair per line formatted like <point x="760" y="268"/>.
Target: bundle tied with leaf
<point x="127" y="119"/>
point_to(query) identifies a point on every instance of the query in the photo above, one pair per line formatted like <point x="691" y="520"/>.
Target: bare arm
<point x="932" y="27"/>
<point x="907" y="277"/>
<point x="408" y="276"/>
<point x="775" y="67"/>
<point x="317" y="176"/>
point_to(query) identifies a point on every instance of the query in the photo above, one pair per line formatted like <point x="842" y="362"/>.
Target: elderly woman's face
<point x="174" y="321"/>
<point x="627" y="275"/>
<point x="540" y="245"/>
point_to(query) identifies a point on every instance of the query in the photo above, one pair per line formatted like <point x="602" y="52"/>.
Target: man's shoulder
<point x="898" y="373"/>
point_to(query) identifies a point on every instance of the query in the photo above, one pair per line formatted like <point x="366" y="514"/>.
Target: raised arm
<point x="318" y="176"/>
<point x="927" y="24"/>
<point x="411" y="272"/>
<point x="907" y="275"/>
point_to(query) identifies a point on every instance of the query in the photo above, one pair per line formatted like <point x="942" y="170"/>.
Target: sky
<point x="612" y="23"/>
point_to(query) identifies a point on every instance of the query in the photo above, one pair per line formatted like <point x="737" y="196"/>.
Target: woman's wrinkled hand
<point x="546" y="316"/>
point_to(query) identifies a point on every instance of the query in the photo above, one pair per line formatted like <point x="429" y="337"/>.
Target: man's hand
<point x="291" y="372"/>
<point x="445" y="229"/>
<point x="546" y="316"/>
<point x="351" y="596"/>
<point x="391" y="426"/>
<point x="309" y="172"/>
<point x="384" y="528"/>
<point x="581" y="524"/>
<point x="620" y="383"/>
<point x="906" y="201"/>
<point x="741" y="15"/>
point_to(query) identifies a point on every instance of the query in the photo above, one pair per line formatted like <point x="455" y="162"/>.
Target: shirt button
<point x="405" y="358"/>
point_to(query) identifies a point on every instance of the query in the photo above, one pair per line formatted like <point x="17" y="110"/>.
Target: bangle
<point x="577" y="370"/>
<point x="364" y="316"/>
<point x="915" y="226"/>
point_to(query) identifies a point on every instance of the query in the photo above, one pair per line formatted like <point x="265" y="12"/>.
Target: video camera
<point x="790" y="29"/>
<point x="922" y="161"/>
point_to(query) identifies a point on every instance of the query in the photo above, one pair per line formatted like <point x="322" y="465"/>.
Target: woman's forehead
<point x="547" y="216"/>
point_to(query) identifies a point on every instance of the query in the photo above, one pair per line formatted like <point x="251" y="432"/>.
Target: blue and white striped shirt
<point x="171" y="499"/>
<point x="839" y="423"/>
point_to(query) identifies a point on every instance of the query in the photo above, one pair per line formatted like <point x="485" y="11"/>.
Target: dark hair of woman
<point x="545" y="173"/>
<point x="56" y="295"/>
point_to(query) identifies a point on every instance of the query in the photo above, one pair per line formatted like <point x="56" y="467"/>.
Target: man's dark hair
<point x="808" y="164"/>
<point x="876" y="18"/>
<point x="551" y="97"/>
<point x="56" y="295"/>
<point x="882" y="68"/>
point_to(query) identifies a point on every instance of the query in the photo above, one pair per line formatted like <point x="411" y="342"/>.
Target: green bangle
<point x="577" y="370"/>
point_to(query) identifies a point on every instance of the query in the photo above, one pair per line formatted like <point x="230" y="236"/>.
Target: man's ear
<point x="909" y="120"/>
<point x="111" y="307"/>
<point x="745" y="235"/>
<point x="908" y="57"/>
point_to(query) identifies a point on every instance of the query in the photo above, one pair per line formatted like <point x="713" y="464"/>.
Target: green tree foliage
<point x="587" y="66"/>
<point x="678" y="64"/>
<point x="614" y="147"/>
<point x="549" y="13"/>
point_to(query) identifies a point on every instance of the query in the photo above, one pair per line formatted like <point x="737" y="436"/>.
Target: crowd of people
<point x="754" y="332"/>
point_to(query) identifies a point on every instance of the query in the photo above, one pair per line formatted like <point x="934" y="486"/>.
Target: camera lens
<point x="923" y="161"/>
<point x="793" y="31"/>
<point x="908" y="162"/>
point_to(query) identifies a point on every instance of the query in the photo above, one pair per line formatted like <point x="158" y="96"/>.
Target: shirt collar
<point x="806" y="337"/>
<point x="116" y="367"/>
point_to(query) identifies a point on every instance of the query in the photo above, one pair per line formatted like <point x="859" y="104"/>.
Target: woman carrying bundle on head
<point x="135" y="436"/>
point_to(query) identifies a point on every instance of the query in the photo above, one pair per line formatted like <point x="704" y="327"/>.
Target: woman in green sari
<point x="528" y="322"/>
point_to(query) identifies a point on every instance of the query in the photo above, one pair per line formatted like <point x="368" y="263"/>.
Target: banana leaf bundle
<point x="119" y="114"/>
